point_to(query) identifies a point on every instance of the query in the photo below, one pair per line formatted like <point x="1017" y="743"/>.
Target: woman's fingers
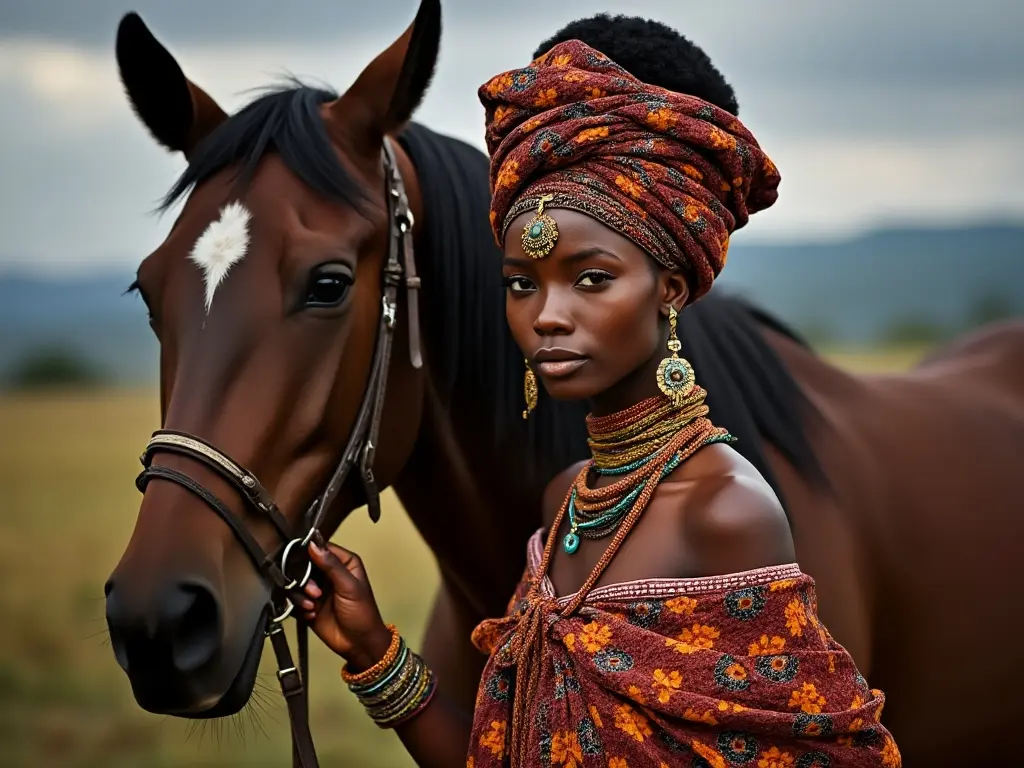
<point x="313" y="589"/>
<point x="328" y="561"/>
<point x="349" y="560"/>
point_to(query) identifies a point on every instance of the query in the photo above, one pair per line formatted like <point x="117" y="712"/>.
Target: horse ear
<point x="176" y="111"/>
<point x="389" y="90"/>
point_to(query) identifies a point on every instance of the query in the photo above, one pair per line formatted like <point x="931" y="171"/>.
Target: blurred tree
<point x="991" y="308"/>
<point x="55" y="367"/>
<point x="914" y="330"/>
<point x="818" y="332"/>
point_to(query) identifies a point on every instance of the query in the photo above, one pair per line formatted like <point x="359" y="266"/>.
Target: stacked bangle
<point x="396" y="688"/>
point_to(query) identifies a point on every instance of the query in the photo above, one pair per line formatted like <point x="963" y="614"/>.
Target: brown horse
<point x="902" y="491"/>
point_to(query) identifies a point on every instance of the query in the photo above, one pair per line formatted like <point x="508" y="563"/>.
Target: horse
<point x="330" y="316"/>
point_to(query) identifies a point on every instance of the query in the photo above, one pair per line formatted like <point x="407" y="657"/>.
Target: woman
<point x="694" y="641"/>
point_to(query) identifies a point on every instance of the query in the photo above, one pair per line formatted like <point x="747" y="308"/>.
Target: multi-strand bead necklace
<point x="643" y="444"/>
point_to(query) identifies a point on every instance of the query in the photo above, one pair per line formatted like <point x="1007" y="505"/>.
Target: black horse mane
<point x="477" y="351"/>
<point x="285" y="119"/>
<point x="750" y="392"/>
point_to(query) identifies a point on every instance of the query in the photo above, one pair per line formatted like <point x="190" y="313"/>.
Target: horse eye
<point x="327" y="289"/>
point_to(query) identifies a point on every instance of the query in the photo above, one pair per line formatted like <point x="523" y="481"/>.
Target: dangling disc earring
<point x="675" y="374"/>
<point x="529" y="390"/>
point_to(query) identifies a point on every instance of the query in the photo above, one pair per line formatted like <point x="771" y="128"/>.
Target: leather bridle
<point x="399" y="269"/>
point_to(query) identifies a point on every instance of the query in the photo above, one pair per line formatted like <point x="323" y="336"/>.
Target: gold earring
<point x="529" y="390"/>
<point x="675" y="374"/>
<point x="541" y="232"/>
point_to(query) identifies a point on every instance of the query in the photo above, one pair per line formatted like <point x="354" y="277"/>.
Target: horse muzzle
<point x="178" y="658"/>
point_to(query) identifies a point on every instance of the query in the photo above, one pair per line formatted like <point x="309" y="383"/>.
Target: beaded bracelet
<point x="371" y="674"/>
<point x="396" y="688"/>
<point x="415" y="699"/>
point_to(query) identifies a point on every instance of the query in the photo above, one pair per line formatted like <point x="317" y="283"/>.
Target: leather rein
<point x="399" y="269"/>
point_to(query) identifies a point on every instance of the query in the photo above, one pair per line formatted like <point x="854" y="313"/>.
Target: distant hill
<point x="88" y="315"/>
<point x="856" y="291"/>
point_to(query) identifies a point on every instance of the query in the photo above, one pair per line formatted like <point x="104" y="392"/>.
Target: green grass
<point x="68" y="505"/>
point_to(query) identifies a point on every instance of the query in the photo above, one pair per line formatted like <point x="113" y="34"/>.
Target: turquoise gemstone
<point x="536" y="230"/>
<point x="571" y="543"/>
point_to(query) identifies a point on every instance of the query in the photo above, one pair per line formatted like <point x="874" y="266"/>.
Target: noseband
<point x="400" y="268"/>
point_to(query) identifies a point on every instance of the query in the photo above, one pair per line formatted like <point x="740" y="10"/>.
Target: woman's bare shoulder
<point x="731" y="518"/>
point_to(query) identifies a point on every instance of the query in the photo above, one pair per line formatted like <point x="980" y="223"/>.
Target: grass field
<point x="67" y="508"/>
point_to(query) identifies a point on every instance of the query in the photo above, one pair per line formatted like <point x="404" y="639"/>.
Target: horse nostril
<point x="115" y="623"/>
<point x="197" y="636"/>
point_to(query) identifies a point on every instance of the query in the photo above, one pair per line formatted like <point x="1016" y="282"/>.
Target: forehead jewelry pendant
<point x="541" y="233"/>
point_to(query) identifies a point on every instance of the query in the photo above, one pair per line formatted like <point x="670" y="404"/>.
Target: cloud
<point x="836" y="187"/>
<point x="906" y="40"/>
<point x="872" y="112"/>
<point x="77" y="84"/>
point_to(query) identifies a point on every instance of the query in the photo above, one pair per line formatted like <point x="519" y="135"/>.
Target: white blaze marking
<point x="222" y="245"/>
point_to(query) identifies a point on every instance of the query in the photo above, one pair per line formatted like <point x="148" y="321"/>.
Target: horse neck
<point x="459" y="483"/>
<point x="832" y="417"/>
<point x="462" y="496"/>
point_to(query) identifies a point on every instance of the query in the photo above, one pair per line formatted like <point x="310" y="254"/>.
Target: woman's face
<point x="589" y="313"/>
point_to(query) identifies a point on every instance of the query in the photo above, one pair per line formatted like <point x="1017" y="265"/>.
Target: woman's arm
<point x="447" y="645"/>
<point x="345" y="616"/>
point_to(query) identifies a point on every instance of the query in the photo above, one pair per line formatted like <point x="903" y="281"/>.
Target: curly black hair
<point x="651" y="52"/>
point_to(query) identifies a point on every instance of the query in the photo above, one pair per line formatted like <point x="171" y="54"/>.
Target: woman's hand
<point x="343" y="612"/>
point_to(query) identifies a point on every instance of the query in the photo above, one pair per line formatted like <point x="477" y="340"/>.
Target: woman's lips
<point x="560" y="369"/>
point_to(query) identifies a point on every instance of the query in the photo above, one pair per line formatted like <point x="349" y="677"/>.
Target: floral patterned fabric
<point x="671" y="172"/>
<point x="712" y="672"/>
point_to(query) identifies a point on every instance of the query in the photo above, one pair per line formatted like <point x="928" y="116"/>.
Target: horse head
<point x="266" y="298"/>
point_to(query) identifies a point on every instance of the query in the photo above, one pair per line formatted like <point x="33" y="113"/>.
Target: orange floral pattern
<point x="565" y="749"/>
<point x="796" y="618"/>
<point x="614" y="691"/>
<point x="775" y="758"/>
<point x="629" y="186"/>
<point x="807" y="699"/>
<point x="696" y="638"/>
<point x="494" y="739"/>
<point x="592" y="134"/>
<point x="711" y="755"/>
<point x="666" y="683"/>
<point x="661" y="119"/>
<point x="507" y="176"/>
<point x="684" y="605"/>
<point x="767" y="646"/>
<point x="546" y="98"/>
<point x="890" y="754"/>
<point x="595" y="636"/>
<point x="632" y="723"/>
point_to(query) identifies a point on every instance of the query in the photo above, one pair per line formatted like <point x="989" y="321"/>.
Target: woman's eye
<point x="518" y="284"/>
<point x="327" y="290"/>
<point x="593" y="279"/>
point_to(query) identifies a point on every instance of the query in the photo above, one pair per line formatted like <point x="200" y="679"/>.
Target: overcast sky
<point x="875" y="112"/>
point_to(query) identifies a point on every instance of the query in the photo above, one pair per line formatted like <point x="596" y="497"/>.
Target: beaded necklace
<point x="644" y="444"/>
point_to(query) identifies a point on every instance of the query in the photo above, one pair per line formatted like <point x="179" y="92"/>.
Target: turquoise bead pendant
<point x="570" y="543"/>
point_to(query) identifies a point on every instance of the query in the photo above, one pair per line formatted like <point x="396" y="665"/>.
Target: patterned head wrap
<point x="673" y="173"/>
